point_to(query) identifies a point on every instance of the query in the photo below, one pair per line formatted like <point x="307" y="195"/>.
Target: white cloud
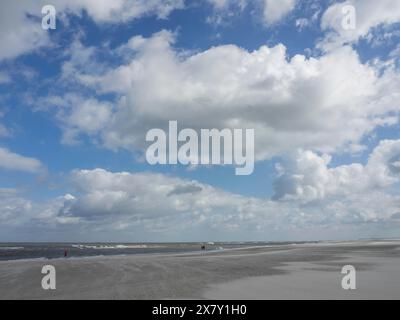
<point x="18" y="33"/>
<point x="147" y="195"/>
<point x="275" y="11"/>
<point x="77" y="114"/>
<point x="150" y="203"/>
<point x="17" y="211"/>
<point x="122" y="10"/>
<point x="302" y="23"/>
<point x="14" y="209"/>
<point x="369" y="15"/>
<point x="351" y="194"/>
<point x="20" y="20"/>
<point x="224" y="4"/>
<point x="306" y="176"/>
<point x="146" y="203"/>
<point x="13" y="161"/>
<point x="158" y="203"/>
<point x="225" y="10"/>
<point x="287" y="101"/>
<point x="321" y="104"/>
<point x="219" y="3"/>
<point x="272" y="11"/>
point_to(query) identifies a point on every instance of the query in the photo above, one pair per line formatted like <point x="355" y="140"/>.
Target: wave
<point x="110" y="247"/>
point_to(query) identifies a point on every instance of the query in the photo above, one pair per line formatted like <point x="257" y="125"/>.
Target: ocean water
<point x="17" y="251"/>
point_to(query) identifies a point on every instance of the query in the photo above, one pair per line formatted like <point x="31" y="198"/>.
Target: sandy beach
<point x="307" y="271"/>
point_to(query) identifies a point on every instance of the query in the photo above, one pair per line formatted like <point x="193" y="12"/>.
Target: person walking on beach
<point x="65" y="253"/>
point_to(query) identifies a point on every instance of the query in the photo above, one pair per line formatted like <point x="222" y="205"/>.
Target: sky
<point x="318" y="81"/>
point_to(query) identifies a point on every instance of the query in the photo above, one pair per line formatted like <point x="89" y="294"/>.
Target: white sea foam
<point x="119" y="246"/>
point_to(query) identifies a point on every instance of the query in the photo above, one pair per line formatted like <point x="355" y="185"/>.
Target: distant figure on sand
<point x="203" y="247"/>
<point x="65" y="253"/>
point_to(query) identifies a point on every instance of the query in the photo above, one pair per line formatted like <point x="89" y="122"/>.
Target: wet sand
<point x="308" y="271"/>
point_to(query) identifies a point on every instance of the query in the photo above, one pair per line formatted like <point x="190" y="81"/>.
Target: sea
<point x="18" y="251"/>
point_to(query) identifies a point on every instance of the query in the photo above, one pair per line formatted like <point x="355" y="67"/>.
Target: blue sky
<point x="76" y="103"/>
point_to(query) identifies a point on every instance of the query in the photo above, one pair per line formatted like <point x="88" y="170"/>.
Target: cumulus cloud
<point x="155" y="203"/>
<point x="122" y="10"/>
<point x="349" y="194"/>
<point x="318" y="105"/>
<point x="306" y="176"/>
<point x="147" y="195"/>
<point x="14" y="209"/>
<point x="158" y="201"/>
<point x="20" y="33"/>
<point x="13" y="161"/>
<point x="369" y="14"/>
<point x="17" y="211"/>
<point x="20" y="20"/>
<point x="151" y="203"/>
<point x="77" y="114"/>
<point x="148" y="203"/>
<point x="286" y="100"/>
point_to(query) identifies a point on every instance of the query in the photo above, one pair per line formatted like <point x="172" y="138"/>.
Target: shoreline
<point x="268" y="272"/>
<point x="327" y="243"/>
<point x="161" y="254"/>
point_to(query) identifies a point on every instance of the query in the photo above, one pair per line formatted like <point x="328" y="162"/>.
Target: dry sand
<point x="310" y="271"/>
